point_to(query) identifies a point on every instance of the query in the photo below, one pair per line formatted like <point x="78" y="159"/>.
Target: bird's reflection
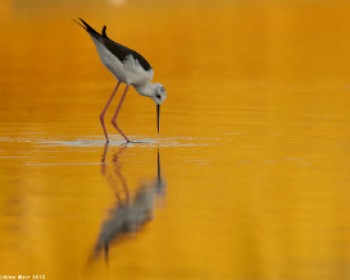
<point x="130" y="212"/>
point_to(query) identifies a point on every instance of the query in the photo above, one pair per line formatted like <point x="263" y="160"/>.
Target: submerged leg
<point x="102" y="115"/>
<point x="114" y="119"/>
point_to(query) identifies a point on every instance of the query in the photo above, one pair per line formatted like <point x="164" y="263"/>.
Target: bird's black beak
<point x="158" y="116"/>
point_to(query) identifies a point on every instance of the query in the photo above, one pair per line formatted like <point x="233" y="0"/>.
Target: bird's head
<point x="155" y="91"/>
<point x="158" y="95"/>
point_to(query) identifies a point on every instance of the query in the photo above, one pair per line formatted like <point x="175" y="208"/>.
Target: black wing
<point x="117" y="49"/>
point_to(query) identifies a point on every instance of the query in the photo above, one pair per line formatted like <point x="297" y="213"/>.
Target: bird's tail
<point x="87" y="27"/>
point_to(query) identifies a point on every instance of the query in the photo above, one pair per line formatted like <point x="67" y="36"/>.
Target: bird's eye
<point x="158" y="96"/>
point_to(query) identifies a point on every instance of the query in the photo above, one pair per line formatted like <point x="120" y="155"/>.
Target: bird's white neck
<point x="146" y="90"/>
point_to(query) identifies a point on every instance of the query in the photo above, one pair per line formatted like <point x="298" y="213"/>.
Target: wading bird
<point x="129" y="67"/>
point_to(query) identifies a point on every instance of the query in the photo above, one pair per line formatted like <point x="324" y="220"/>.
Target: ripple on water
<point x="180" y="141"/>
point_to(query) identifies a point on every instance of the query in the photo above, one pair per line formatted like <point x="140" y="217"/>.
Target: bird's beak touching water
<point x="158" y="115"/>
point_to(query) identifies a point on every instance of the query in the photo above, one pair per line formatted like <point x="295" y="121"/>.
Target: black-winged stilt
<point x="129" y="67"/>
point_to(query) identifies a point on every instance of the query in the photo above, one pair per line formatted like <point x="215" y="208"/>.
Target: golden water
<point x="254" y="145"/>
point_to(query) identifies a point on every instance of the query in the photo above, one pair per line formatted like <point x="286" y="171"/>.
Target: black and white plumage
<point x="129" y="67"/>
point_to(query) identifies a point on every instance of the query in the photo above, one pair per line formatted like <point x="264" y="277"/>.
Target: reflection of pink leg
<point x="103" y="160"/>
<point x="114" y="122"/>
<point x="102" y="115"/>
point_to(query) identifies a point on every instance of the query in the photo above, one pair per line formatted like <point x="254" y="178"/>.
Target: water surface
<point x="253" y="151"/>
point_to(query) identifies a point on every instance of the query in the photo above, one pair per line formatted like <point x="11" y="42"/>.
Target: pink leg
<point x="114" y="122"/>
<point x="102" y="115"/>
